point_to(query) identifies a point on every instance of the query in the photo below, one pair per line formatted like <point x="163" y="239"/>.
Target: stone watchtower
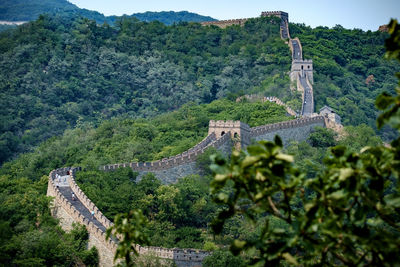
<point x="239" y="131"/>
<point x="302" y="68"/>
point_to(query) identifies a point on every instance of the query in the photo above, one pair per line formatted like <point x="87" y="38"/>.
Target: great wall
<point x="222" y="135"/>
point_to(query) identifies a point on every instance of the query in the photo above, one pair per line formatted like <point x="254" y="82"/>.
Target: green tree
<point x="129" y="227"/>
<point x="322" y="137"/>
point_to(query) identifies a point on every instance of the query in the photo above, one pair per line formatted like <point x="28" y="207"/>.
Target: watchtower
<point x="239" y="131"/>
<point x="302" y="68"/>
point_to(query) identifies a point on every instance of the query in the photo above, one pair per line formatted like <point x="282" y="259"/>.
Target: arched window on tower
<point x="222" y="133"/>
<point x="235" y="135"/>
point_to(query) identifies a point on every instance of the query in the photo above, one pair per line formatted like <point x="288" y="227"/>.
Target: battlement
<point x="279" y="14"/>
<point x="225" y="23"/>
<point x="229" y="124"/>
<point x="261" y="130"/>
<point x="304" y="61"/>
<point x="237" y="130"/>
<point x="229" y="22"/>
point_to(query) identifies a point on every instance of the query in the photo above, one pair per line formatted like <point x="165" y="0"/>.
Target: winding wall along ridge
<point x="173" y="161"/>
<point x="68" y="212"/>
<point x="64" y="208"/>
<point x="192" y="154"/>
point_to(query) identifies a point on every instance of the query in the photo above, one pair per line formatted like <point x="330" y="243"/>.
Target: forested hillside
<point x="28" y="10"/>
<point x="56" y="74"/>
<point x="27" y="230"/>
<point x="349" y="70"/>
<point x="178" y="214"/>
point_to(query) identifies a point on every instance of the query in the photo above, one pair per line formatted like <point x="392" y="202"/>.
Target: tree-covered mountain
<point x="30" y="236"/>
<point x="28" y="10"/>
<point x="170" y="17"/>
<point x="56" y="73"/>
<point x="59" y="72"/>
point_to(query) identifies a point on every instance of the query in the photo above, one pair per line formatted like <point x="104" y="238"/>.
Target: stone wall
<point x="169" y="170"/>
<point x="274" y="99"/>
<point x="295" y="130"/>
<point x="225" y="23"/>
<point x="86" y="201"/>
<point x="67" y="213"/>
<point x="302" y="67"/>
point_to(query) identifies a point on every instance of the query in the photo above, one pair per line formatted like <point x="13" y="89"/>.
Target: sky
<point x="360" y="14"/>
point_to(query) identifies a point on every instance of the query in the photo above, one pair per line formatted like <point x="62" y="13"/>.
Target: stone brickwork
<point x="295" y="130"/>
<point x="225" y="23"/>
<point x="238" y="131"/>
<point x="169" y="170"/>
<point x="222" y="135"/>
<point x="66" y="211"/>
<point x="302" y="68"/>
<point x="63" y="209"/>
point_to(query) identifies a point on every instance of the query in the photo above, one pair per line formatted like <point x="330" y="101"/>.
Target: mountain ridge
<point x="22" y="10"/>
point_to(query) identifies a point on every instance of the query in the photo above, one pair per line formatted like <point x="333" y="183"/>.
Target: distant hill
<point x="169" y="17"/>
<point x="28" y="10"/>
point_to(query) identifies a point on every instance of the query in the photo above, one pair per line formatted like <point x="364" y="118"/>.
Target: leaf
<point x="345" y="173"/>
<point x="338" y="151"/>
<point x="289" y="258"/>
<point x="337" y="195"/>
<point x="220" y="177"/>
<point x="285" y="157"/>
<point x="237" y="246"/>
<point x="393" y="201"/>
<point x="384" y="100"/>
<point x="250" y="160"/>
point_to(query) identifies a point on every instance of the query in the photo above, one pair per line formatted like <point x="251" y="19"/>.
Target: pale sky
<point x="361" y="14"/>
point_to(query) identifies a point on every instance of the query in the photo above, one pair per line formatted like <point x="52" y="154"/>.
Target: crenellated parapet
<point x="68" y="212"/>
<point x="225" y="23"/>
<point x="238" y="131"/>
<point x="284" y="26"/>
<point x="292" y="124"/>
<point x="280" y="14"/>
<point x="185" y="157"/>
<point x="87" y="202"/>
<point x="302" y="68"/>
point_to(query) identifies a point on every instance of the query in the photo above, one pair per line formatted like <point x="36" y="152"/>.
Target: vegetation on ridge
<point x="28" y="10"/>
<point x="56" y="74"/>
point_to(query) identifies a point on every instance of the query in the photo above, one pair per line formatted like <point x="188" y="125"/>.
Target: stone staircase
<point x="308" y="106"/>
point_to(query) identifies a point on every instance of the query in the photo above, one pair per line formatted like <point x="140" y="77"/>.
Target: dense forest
<point x="178" y="214"/>
<point x="24" y="216"/>
<point x="57" y="73"/>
